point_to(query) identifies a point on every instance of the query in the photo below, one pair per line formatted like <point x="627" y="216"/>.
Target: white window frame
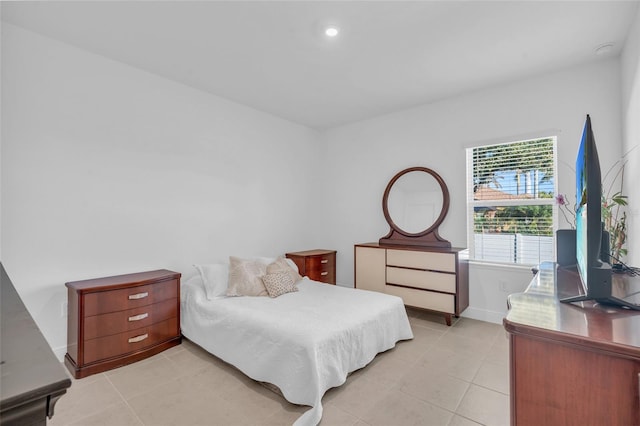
<point x="472" y="204"/>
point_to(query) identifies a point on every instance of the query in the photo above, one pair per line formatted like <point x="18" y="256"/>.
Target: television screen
<point x="594" y="273"/>
<point x="582" y="248"/>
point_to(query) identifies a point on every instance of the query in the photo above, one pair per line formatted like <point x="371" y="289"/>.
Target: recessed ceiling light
<point x="331" y="31"/>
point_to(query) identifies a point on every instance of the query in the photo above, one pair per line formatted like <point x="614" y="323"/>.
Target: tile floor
<point x="454" y="375"/>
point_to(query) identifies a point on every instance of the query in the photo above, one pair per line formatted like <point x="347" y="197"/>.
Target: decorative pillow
<point x="215" y="278"/>
<point x="279" y="283"/>
<point x="245" y="277"/>
<point x="281" y="265"/>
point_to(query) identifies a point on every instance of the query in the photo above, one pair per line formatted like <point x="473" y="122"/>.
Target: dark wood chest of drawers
<point x="572" y="364"/>
<point x="118" y="320"/>
<point x="318" y="265"/>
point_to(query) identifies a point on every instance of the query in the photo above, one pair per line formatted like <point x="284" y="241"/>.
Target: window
<point x="510" y="201"/>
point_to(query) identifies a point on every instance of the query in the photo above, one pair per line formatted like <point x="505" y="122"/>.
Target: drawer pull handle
<point x="139" y="317"/>
<point x="139" y="338"/>
<point x="138" y="295"/>
<point x="324" y="261"/>
<point x="324" y="273"/>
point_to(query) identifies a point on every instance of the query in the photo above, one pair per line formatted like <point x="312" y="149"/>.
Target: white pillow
<point x="215" y="277"/>
<point x="292" y="264"/>
<point x="264" y="260"/>
<point x="270" y="260"/>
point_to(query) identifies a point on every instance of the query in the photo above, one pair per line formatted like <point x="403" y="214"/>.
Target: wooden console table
<point x="32" y="377"/>
<point x="572" y="363"/>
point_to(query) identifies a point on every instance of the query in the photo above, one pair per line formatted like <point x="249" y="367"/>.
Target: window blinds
<point x="511" y="189"/>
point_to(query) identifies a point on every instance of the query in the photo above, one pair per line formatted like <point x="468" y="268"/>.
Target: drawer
<point x="128" y="298"/>
<point x="370" y="269"/>
<point x="424" y="299"/>
<point x="121" y="321"/>
<point x="422" y="260"/>
<point x="321" y="267"/>
<point x="430" y="280"/>
<point x="120" y="344"/>
<point x="321" y="263"/>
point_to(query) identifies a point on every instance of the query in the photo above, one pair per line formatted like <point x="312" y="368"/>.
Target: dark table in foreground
<point x="32" y="377"/>
<point x="572" y="363"/>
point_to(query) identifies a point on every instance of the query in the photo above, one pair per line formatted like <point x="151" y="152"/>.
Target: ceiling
<point x="389" y="55"/>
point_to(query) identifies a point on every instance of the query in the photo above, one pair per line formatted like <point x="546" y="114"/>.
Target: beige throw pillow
<point x="245" y="277"/>
<point x="281" y="265"/>
<point x="279" y="283"/>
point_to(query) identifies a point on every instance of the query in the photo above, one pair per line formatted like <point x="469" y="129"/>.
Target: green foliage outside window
<point x="527" y="220"/>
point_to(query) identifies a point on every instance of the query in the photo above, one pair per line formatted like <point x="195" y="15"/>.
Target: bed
<point x="304" y="342"/>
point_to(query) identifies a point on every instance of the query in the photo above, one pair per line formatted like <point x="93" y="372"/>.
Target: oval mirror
<point x="415" y="203"/>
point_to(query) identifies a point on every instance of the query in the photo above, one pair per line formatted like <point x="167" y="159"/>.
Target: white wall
<point x="107" y="169"/>
<point x="364" y="156"/>
<point x="630" y="67"/>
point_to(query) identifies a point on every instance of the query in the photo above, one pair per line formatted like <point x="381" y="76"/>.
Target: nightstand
<point x="118" y="320"/>
<point x="318" y="265"/>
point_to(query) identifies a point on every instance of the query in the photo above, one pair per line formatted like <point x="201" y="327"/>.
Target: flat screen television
<point x="595" y="272"/>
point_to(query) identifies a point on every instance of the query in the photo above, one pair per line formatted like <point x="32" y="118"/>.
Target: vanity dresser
<point x="436" y="279"/>
<point x="413" y="261"/>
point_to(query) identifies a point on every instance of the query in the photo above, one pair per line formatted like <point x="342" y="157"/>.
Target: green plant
<point x="613" y="214"/>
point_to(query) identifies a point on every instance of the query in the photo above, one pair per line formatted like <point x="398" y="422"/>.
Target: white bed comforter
<point x="304" y="342"/>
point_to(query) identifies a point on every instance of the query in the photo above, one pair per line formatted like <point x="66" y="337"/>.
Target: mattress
<point x="304" y="342"/>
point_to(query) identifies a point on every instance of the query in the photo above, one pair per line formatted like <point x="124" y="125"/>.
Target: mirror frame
<point x="427" y="238"/>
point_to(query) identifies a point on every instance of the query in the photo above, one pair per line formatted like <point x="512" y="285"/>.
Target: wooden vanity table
<point x="413" y="261"/>
<point x="573" y="363"/>
<point x="435" y="279"/>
